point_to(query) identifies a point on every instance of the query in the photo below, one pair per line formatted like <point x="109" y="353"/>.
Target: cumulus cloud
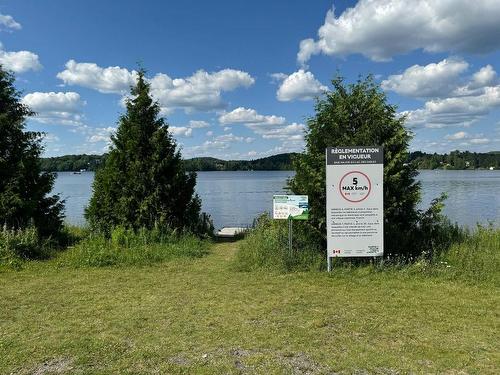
<point x="219" y="143"/>
<point x="479" y="141"/>
<point x="50" y="138"/>
<point x="181" y="131"/>
<point x="293" y="131"/>
<point x="432" y="80"/>
<point x="56" y="107"/>
<point x="380" y="29"/>
<point x="9" y="23"/>
<point x="100" y="134"/>
<point x="462" y="111"/>
<point x="243" y="115"/>
<point x="19" y="61"/>
<point x="198" y="124"/>
<point x="230" y="138"/>
<point x="267" y="126"/>
<point x="112" y="79"/>
<point x="299" y="85"/>
<point x="486" y="76"/>
<point x="458" y="104"/>
<point x="456" y="136"/>
<point x="201" y="91"/>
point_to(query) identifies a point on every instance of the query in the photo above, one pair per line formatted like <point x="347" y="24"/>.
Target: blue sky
<point x="236" y="79"/>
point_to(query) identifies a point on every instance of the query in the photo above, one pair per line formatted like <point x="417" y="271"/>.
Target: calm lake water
<point x="236" y="198"/>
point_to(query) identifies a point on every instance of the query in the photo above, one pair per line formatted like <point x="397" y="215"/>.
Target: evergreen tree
<point x="359" y="115"/>
<point x="143" y="183"/>
<point x="24" y="188"/>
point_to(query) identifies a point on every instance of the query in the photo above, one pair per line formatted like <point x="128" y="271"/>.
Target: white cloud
<point x="227" y="128"/>
<point x="292" y="132"/>
<point x="243" y="115"/>
<point x="456" y="136"/>
<point x="432" y="80"/>
<point x="307" y="48"/>
<point x="20" y="61"/>
<point x="486" y="76"/>
<point x="112" y="79"/>
<point x="8" y="22"/>
<point x="278" y="77"/>
<point x="231" y="138"/>
<point x="219" y="143"/>
<point x="461" y="111"/>
<point x="209" y="133"/>
<point x="479" y="141"/>
<point x="380" y="29"/>
<point x="268" y="127"/>
<point x="455" y="100"/>
<point x="56" y="107"/>
<point x="201" y="91"/>
<point x="180" y="131"/>
<point x="299" y="85"/>
<point x="100" y="134"/>
<point x="198" y="124"/>
<point x="50" y="138"/>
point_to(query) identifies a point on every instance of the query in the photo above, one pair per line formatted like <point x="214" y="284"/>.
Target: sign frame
<point x="354" y="202"/>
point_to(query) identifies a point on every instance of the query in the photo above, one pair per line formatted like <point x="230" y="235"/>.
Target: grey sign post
<point x="354" y="202"/>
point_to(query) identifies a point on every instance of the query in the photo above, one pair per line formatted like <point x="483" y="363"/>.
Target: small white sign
<point x="295" y="207"/>
<point x="354" y="201"/>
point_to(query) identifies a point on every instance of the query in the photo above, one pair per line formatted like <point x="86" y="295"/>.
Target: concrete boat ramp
<point x="230" y="233"/>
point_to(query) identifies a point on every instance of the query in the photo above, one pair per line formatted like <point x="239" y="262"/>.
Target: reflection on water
<point x="236" y="198"/>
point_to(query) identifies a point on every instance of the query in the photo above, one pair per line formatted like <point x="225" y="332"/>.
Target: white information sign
<point x="354" y="201"/>
<point x="295" y="207"/>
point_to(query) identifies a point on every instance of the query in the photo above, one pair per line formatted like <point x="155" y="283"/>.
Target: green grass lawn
<point x="191" y="316"/>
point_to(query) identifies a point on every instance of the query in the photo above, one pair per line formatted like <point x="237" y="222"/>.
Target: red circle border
<point x="369" y="187"/>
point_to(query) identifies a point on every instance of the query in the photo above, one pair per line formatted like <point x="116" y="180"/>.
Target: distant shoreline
<point x="456" y="160"/>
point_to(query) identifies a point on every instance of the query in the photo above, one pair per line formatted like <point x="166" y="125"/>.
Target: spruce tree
<point x="24" y="189"/>
<point x="143" y="183"/>
<point x="359" y="115"/>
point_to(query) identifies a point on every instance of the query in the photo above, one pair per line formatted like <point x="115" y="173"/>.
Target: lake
<point x="236" y="198"/>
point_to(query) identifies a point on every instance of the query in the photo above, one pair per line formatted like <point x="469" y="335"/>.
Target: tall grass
<point x="128" y="247"/>
<point x="266" y="247"/>
<point x="471" y="256"/>
<point x="17" y="245"/>
<point x="476" y="258"/>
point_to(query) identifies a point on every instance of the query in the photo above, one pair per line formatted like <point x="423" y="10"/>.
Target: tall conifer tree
<point x="359" y="115"/>
<point x="24" y="188"/>
<point x="143" y="183"/>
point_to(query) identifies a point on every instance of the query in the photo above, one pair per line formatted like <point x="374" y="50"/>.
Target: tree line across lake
<point x="282" y="162"/>
<point x="69" y="163"/>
